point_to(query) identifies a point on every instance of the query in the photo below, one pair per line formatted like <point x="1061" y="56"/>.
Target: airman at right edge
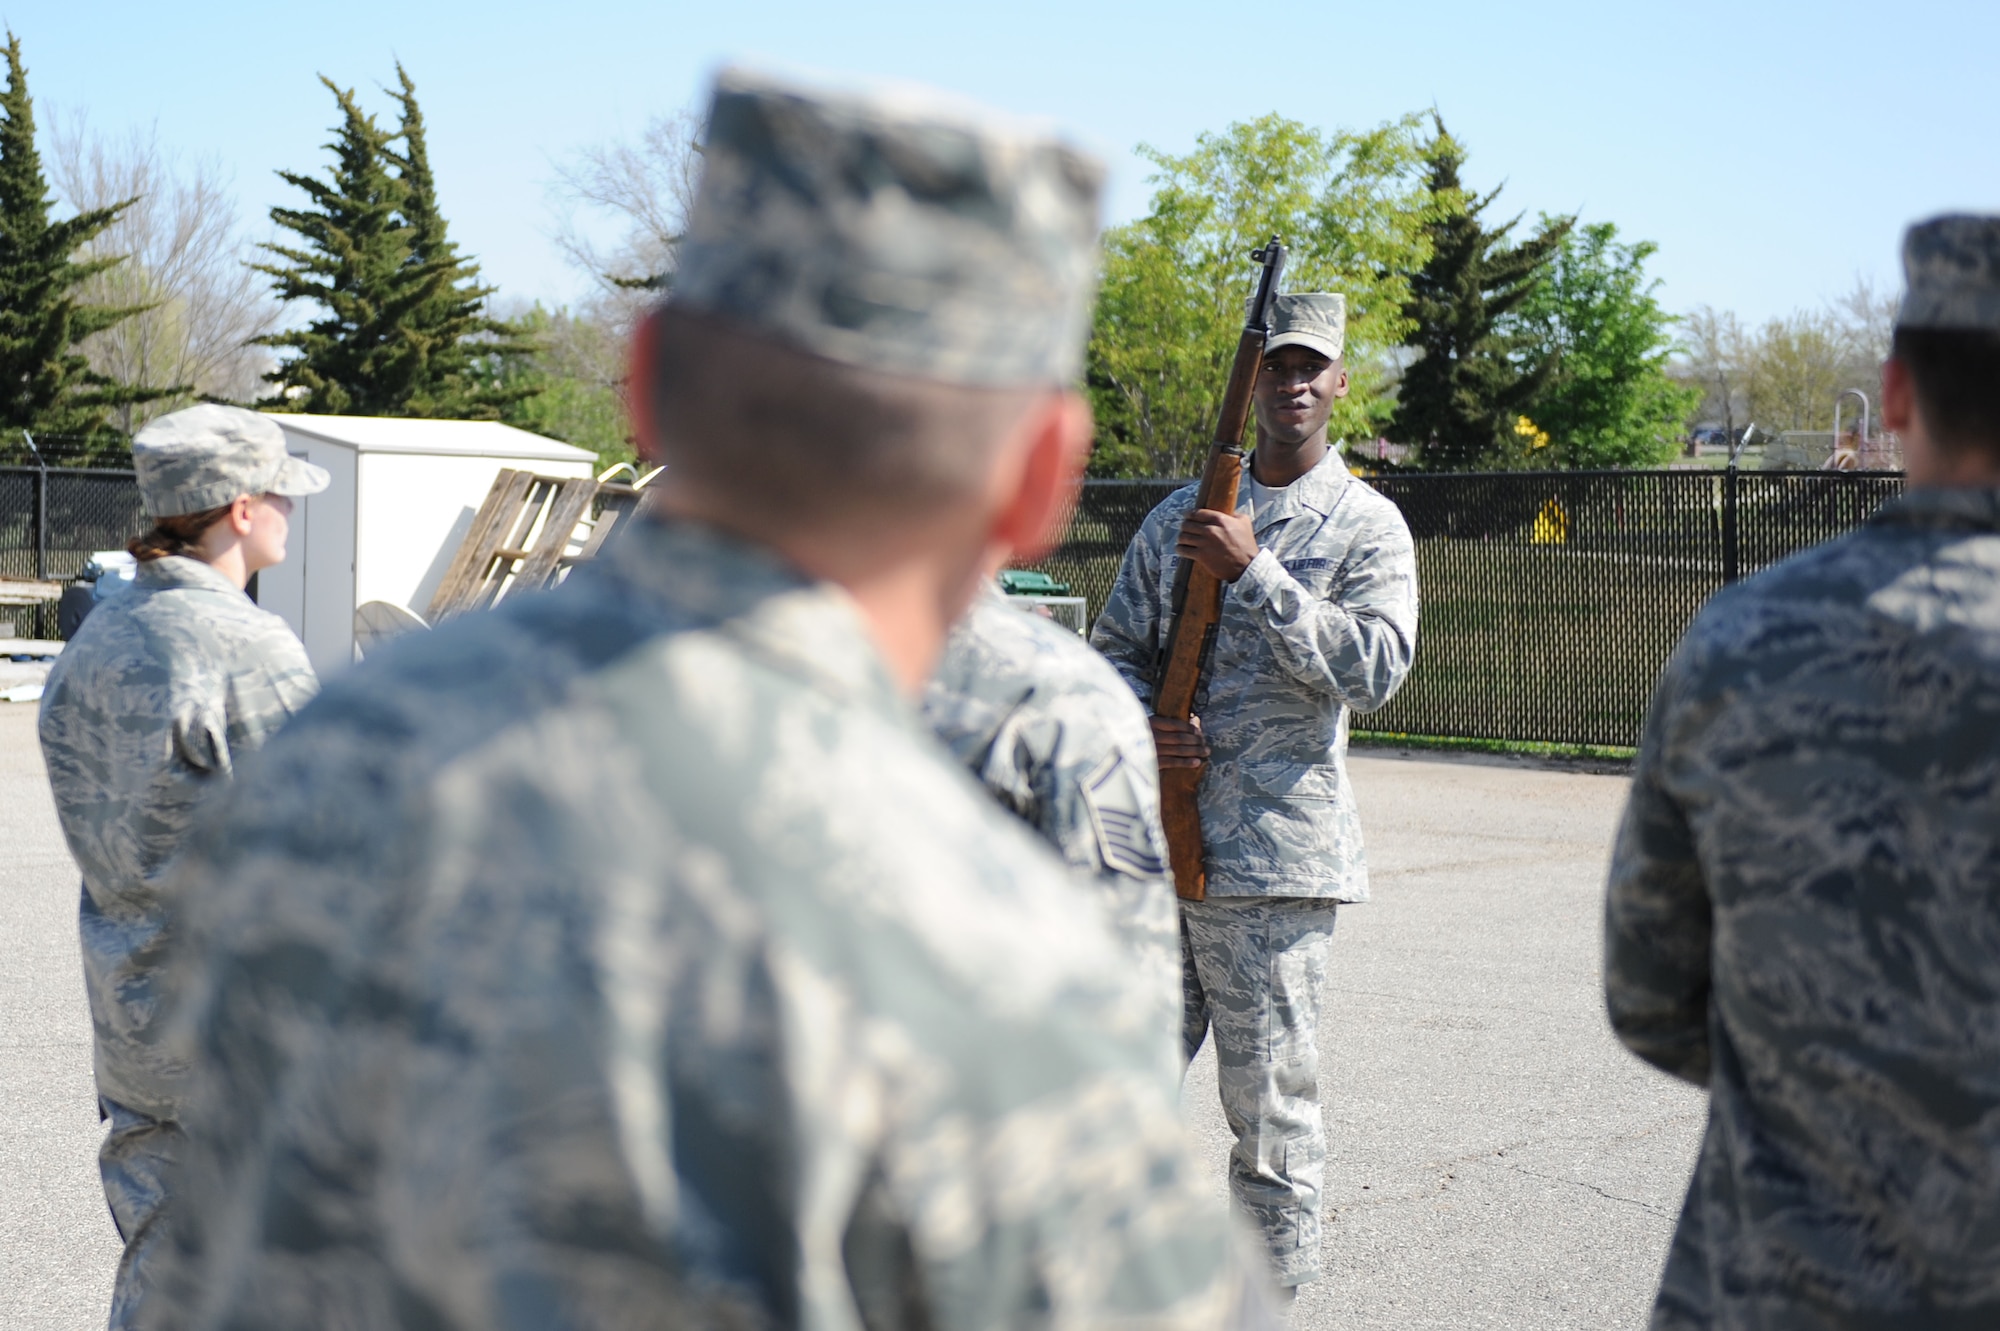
<point x="1320" y="620"/>
<point x="1804" y="906"/>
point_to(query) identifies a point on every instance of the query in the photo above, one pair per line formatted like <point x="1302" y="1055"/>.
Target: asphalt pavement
<point x="57" y="1246"/>
<point x="1496" y="1159"/>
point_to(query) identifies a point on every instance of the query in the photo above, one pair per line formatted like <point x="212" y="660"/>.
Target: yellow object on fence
<point x="1551" y="525"/>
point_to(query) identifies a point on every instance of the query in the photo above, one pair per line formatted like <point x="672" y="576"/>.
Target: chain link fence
<point x="1550" y="599"/>
<point x="107" y="451"/>
<point x="51" y="518"/>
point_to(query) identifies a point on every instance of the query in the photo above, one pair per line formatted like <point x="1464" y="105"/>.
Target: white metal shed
<point x="403" y="494"/>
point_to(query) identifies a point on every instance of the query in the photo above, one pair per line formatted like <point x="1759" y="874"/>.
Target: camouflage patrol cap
<point x="206" y="456"/>
<point x="895" y="230"/>
<point x="1951" y="267"/>
<point x="1316" y="319"/>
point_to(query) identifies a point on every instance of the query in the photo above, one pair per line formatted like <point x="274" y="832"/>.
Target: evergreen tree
<point x="1462" y="399"/>
<point x="459" y="344"/>
<point x="355" y="361"/>
<point x="405" y="332"/>
<point x="46" y="385"/>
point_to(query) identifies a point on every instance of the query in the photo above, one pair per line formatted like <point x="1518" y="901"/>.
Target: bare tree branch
<point x="1869" y="316"/>
<point x="185" y="260"/>
<point x="1715" y="356"/>
<point x="645" y="189"/>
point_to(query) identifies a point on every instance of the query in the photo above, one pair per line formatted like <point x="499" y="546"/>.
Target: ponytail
<point x="177" y="535"/>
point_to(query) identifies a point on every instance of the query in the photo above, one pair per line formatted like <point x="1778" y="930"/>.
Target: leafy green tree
<point x="1798" y="365"/>
<point x="1351" y="207"/>
<point x="570" y="386"/>
<point x="46" y="384"/>
<point x="1461" y="400"/>
<point x="405" y="330"/>
<point x="1591" y="319"/>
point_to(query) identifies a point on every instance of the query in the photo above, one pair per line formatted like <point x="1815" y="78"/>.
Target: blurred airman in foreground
<point x="631" y="956"/>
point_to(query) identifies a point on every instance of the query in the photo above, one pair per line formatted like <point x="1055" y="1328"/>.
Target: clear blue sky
<point x="1773" y="150"/>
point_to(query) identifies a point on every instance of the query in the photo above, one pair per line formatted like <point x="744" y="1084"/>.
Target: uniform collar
<point x="1318" y="491"/>
<point x="745" y="591"/>
<point x="1961" y="508"/>
<point x="170" y="571"/>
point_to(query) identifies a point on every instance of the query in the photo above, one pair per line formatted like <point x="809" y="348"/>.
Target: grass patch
<point x="1556" y="644"/>
<point x="1523" y="748"/>
<point x="1517" y="639"/>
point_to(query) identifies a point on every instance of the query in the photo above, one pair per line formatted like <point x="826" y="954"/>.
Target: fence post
<point x="41" y="509"/>
<point x="1729" y="523"/>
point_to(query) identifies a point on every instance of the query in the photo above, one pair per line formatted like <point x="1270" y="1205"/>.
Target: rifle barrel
<point x="1197" y="598"/>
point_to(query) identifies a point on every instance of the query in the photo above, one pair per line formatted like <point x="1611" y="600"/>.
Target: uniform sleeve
<point x="1103" y="803"/>
<point x="1357" y="645"/>
<point x="1128" y="630"/>
<point x="236" y="711"/>
<point x="270" y="686"/>
<point x="1657" y="915"/>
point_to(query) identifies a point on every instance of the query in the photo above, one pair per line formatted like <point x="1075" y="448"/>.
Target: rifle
<point x="1197" y="604"/>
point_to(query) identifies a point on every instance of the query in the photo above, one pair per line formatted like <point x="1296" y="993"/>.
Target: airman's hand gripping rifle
<point x="1197" y="606"/>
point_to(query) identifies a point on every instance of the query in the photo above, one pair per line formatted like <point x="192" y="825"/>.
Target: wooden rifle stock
<point x="1197" y="604"/>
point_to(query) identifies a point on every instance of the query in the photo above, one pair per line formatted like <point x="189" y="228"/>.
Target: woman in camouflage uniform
<point x="161" y="691"/>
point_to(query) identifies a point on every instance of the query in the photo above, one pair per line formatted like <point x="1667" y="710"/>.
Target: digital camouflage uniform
<point x="1802" y="917"/>
<point x="1322" y="622"/>
<point x="632" y="956"/>
<point x="1051" y="730"/>
<point x="148" y="709"/>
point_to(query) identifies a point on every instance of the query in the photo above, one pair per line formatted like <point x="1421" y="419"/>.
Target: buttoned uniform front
<point x="1802" y="917"/>
<point x="164" y="690"/>
<point x="1050" y="729"/>
<point x="1321" y="623"/>
<point x="633" y="956"/>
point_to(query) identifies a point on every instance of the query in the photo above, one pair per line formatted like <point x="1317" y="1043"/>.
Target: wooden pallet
<point x="530" y="531"/>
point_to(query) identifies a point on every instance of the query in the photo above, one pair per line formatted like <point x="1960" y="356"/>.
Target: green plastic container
<point x="1028" y="582"/>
